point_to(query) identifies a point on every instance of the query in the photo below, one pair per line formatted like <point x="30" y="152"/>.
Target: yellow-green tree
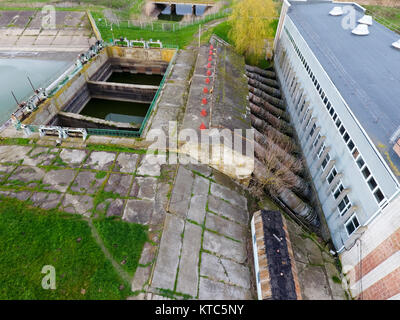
<point x="251" y="25"/>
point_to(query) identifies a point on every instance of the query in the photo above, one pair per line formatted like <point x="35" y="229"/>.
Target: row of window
<point x="345" y="204"/>
<point x="371" y="182"/>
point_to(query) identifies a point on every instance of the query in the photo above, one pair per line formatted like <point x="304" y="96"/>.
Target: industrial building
<point x="341" y="83"/>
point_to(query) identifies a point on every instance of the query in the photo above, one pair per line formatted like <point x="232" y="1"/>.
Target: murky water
<point x="120" y="111"/>
<point x="13" y="77"/>
<point x="139" y="78"/>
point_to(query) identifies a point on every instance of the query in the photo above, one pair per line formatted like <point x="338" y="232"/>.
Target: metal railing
<point x="390" y="25"/>
<point x="159" y="25"/>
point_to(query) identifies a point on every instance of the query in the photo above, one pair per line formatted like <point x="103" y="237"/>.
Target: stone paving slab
<point x="189" y="264"/>
<point x="179" y="202"/>
<point x="225" y="227"/>
<point x="151" y="165"/>
<point x="46" y="200"/>
<point x="39" y="156"/>
<point x="168" y="256"/>
<point x="164" y="114"/>
<point x="29" y="175"/>
<point x="20" y="195"/>
<point x="4" y="170"/>
<point x="77" y="204"/>
<point x="146" y="188"/>
<point x="225" y="209"/>
<point x="100" y="160"/>
<point x="198" y="202"/>
<point x="212" y="290"/>
<point x="141" y="277"/>
<point x="172" y="94"/>
<point x="126" y="162"/>
<point x="221" y="269"/>
<point x="59" y="179"/>
<point x="118" y="184"/>
<point x="200" y="168"/>
<point x="73" y="157"/>
<point x="229" y="195"/>
<point x="43" y="40"/>
<point x="116" y="208"/>
<point x="138" y="211"/>
<point x="86" y="182"/>
<point x="13" y="154"/>
<point x="224" y="246"/>
<point x="160" y="204"/>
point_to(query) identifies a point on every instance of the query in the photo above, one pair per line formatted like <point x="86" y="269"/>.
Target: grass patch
<point x="336" y="279"/>
<point x="390" y="15"/>
<point x="123" y="240"/>
<point x="113" y="148"/>
<point x="100" y="174"/>
<point x="15" y="141"/>
<point x="31" y="238"/>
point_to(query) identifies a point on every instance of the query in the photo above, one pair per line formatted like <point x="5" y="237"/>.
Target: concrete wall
<point x="372" y="265"/>
<point x="67" y="119"/>
<point x="289" y="66"/>
<point x="122" y="92"/>
<point x="75" y="90"/>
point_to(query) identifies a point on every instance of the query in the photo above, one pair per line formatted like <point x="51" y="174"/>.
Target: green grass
<point x="15" y="141"/>
<point x="124" y="241"/>
<point x="114" y="148"/>
<point x="179" y="38"/>
<point x="31" y="238"/>
<point x="390" y="15"/>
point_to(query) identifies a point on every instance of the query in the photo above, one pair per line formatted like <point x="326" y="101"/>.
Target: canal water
<point x="138" y="78"/>
<point x="13" y="77"/>
<point x="181" y="10"/>
<point x="120" y="111"/>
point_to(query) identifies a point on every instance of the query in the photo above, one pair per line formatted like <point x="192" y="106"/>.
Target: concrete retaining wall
<point x="122" y="91"/>
<point x="75" y="93"/>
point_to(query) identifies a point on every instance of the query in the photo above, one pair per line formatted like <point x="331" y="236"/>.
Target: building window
<point x="338" y="191"/>
<point x="321" y="150"/>
<point x="332" y="111"/>
<point x="360" y="162"/>
<point x="351" y="145"/>
<point x="344" y="205"/>
<point x="346" y="137"/>
<point x="331" y="175"/>
<point x="366" y="173"/>
<point x="372" y="183"/>
<point x="338" y="123"/>
<point x="379" y="195"/>
<point x="342" y="130"/>
<point x="316" y="140"/>
<point x="355" y="153"/>
<point x="325" y="162"/>
<point x="334" y="117"/>
<point x="352" y="225"/>
<point x="313" y="129"/>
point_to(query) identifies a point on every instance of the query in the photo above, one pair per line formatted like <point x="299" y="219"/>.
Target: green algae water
<point x="13" y="77"/>
<point x="135" y="78"/>
<point x="119" y="111"/>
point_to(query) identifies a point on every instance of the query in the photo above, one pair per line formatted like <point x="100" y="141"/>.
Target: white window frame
<point x="330" y="173"/>
<point x="350" y="220"/>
